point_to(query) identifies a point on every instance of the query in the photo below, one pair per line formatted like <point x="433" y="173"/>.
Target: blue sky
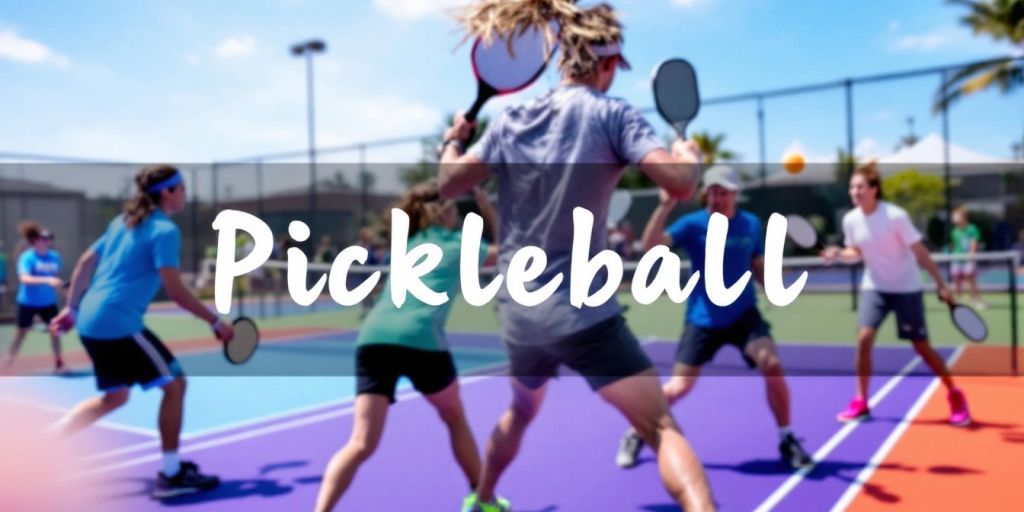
<point x="197" y="81"/>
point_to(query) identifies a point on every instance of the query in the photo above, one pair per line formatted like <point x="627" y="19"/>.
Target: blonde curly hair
<point x="578" y="28"/>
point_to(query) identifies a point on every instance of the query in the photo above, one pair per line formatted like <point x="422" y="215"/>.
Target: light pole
<point x="308" y="49"/>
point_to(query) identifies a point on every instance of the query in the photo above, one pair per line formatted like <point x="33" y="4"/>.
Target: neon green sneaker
<point x="472" y="504"/>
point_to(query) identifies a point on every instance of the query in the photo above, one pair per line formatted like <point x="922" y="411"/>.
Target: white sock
<point x="171" y="463"/>
<point x="783" y="432"/>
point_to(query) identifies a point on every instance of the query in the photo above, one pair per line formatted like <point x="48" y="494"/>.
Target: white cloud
<point x="928" y="41"/>
<point x="416" y="9"/>
<point x="686" y="3"/>
<point x="27" y="51"/>
<point x="867" y="148"/>
<point x="237" y="46"/>
<point x="193" y="59"/>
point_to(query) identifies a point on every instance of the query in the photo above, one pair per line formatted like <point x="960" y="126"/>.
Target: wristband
<point x="444" y="145"/>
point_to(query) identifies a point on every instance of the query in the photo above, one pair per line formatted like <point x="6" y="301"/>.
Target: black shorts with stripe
<point x="137" y="359"/>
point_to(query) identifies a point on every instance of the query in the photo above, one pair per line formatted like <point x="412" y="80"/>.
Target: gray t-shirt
<point x="563" y="150"/>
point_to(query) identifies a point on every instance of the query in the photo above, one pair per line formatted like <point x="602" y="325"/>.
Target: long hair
<point x="578" y="28"/>
<point x="139" y="208"/>
<point x="424" y="206"/>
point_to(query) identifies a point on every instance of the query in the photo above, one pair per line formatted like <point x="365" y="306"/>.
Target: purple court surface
<point x="567" y="460"/>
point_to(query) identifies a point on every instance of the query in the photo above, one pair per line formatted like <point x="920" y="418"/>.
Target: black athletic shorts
<point x="378" y="367"/>
<point x="28" y="314"/>
<point x="603" y="353"/>
<point x="138" y="359"/>
<point x="699" y="345"/>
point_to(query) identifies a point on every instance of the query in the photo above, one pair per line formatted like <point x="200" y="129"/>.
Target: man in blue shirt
<point x="111" y="287"/>
<point x="710" y="327"/>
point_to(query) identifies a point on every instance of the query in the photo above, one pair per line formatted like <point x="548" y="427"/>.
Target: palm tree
<point x="1003" y="20"/>
<point x="711" y="146"/>
<point x="845" y="164"/>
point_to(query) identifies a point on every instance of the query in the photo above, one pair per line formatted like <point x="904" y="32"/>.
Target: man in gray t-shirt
<point x="564" y="150"/>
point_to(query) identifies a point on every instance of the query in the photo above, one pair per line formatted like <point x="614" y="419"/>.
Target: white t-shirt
<point x="884" y="239"/>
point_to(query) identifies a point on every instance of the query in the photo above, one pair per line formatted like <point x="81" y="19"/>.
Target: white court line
<point x="890" y="442"/>
<point x="269" y="418"/>
<point x="249" y="434"/>
<point x="776" y="497"/>
<point x="478" y="373"/>
<point x="102" y="423"/>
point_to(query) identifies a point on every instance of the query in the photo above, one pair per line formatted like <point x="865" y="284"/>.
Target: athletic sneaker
<point x="629" y="449"/>
<point x="856" y="411"/>
<point x="793" y="454"/>
<point x="958" y="413"/>
<point x="472" y="504"/>
<point x="188" y="481"/>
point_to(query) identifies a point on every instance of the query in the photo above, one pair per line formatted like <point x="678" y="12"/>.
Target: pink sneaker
<point x="856" y="411"/>
<point x="958" y="413"/>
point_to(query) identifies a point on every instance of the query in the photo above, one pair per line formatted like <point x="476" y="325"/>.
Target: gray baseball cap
<point x="723" y="176"/>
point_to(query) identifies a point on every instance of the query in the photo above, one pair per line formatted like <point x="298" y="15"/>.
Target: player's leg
<point x="25" y="317"/>
<point x="609" y="356"/>
<point x="909" y="309"/>
<point x="433" y="373"/>
<point x="527" y="397"/>
<point x="367" y="427"/>
<point x="146" y="361"/>
<point x="679" y="384"/>
<point x="641" y="400"/>
<point x="972" y="283"/>
<point x="48" y="314"/>
<point x="762" y="351"/>
<point x="88" y="411"/>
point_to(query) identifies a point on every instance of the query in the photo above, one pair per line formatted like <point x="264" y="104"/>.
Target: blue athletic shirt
<point x="128" y="275"/>
<point x="47" y="265"/>
<point x="744" y="242"/>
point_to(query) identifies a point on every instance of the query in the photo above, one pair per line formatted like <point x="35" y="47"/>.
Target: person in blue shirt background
<point x="710" y="327"/>
<point x="3" y="274"/>
<point x="111" y="287"/>
<point x="38" y="269"/>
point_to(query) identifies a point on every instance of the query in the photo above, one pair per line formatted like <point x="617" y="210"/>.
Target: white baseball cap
<point x="723" y="176"/>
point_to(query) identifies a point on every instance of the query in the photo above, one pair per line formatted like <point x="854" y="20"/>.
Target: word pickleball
<point x="675" y="93"/>
<point x="507" y="65"/>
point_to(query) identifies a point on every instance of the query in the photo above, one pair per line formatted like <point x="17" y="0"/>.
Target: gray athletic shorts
<point x="908" y="307"/>
<point x="603" y="353"/>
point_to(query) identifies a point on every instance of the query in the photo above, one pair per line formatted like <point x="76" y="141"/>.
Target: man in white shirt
<point x="882" y="236"/>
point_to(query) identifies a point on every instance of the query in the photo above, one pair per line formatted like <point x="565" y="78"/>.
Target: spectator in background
<point x="38" y="269"/>
<point x="966" y="241"/>
<point x="631" y="240"/>
<point x="3" y="274"/>
<point x="617" y="240"/>
<point x="325" y="252"/>
<point x="368" y="241"/>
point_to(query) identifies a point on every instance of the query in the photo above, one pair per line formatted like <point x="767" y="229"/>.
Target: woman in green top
<point x="410" y="341"/>
<point x="966" y="238"/>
